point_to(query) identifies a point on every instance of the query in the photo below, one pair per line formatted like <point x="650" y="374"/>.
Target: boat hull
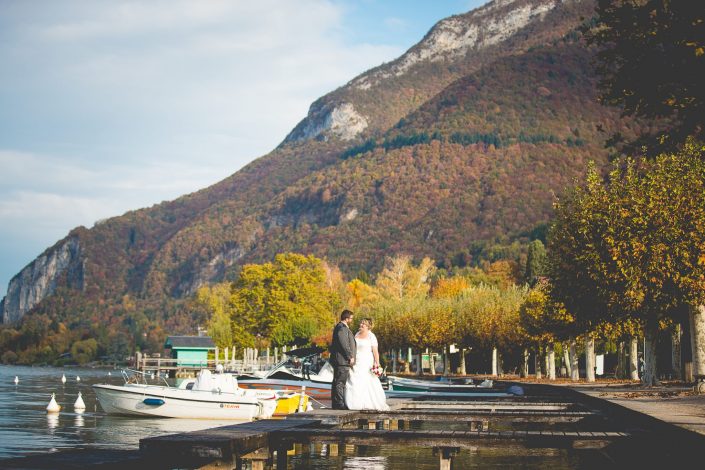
<point x="166" y="402"/>
<point x="316" y="390"/>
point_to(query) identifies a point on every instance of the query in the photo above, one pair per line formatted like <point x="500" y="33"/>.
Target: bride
<point x="363" y="390"/>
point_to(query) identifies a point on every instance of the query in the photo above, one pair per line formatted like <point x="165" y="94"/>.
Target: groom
<point x="342" y="358"/>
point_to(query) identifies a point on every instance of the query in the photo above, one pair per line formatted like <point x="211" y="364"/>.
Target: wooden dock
<point x="267" y="442"/>
<point x="548" y="418"/>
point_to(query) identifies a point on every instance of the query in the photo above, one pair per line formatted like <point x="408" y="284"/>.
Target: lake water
<point x="26" y="428"/>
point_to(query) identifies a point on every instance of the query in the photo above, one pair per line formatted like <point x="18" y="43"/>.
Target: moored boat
<point x="210" y="396"/>
<point x="401" y="387"/>
<point x="301" y="368"/>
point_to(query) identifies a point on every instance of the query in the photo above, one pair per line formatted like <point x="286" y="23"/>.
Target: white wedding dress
<point x="363" y="390"/>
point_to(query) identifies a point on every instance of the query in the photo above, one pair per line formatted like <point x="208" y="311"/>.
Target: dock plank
<point x="550" y="439"/>
<point x="221" y="443"/>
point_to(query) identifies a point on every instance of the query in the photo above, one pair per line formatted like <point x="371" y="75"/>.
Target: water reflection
<point x="369" y="463"/>
<point x="52" y="421"/>
<point x="78" y="421"/>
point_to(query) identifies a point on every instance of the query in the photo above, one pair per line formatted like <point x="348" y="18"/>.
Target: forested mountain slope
<point x="463" y="139"/>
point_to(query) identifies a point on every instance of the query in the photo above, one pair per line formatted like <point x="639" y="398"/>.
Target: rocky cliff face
<point x="456" y="39"/>
<point x="39" y="279"/>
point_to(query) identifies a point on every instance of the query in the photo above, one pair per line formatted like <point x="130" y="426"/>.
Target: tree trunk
<point x="537" y="361"/>
<point x="650" y="370"/>
<point x="574" y="371"/>
<point x="394" y="361"/>
<point x="697" y="338"/>
<point x="566" y="360"/>
<point x="676" y="351"/>
<point x="525" y="364"/>
<point x="634" y="358"/>
<point x="494" y="362"/>
<point x="446" y="360"/>
<point x="407" y="364"/>
<point x="619" y="372"/>
<point x="431" y="362"/>
<point x="551" y="355"/>
<point x="462" y="370"/>
<point x="419" y="368"/>
<point x="589" y="358"/>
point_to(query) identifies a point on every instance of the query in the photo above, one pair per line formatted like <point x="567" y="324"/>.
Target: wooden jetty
<point x="548" y="417"/>
<point x="269" y="442"/>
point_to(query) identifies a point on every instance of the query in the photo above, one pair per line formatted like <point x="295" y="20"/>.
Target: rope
<point x="316" y="401"/>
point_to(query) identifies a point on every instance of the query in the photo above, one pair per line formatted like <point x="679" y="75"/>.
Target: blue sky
<point x="108" y="106"/>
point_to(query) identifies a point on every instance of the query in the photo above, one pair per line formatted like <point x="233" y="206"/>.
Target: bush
<point x="9" y="357"/>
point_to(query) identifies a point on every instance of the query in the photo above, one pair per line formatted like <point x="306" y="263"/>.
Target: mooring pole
<point x="446" y="455"/>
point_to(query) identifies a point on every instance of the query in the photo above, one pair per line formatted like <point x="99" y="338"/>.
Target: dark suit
<point x="342" y="350"/>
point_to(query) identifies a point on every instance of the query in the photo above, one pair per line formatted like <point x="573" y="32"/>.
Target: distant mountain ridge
<point x="463" y="138"/>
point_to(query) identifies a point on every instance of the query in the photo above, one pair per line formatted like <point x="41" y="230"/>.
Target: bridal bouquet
<point x="377" y="371"/>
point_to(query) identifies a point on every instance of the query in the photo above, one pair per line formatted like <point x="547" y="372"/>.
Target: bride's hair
<point x="368" y="322"/>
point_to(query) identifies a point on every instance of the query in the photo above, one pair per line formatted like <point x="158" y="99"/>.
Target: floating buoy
<point x="79" y="406"/>
<point x="63" y="378"/>
<point x="53" y="407"/>
<point x="17" y="380"/>
<point x="78" y="379"/>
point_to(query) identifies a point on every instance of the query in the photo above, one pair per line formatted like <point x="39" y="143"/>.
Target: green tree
<point x="84" y="351"/>
<point x="216" y="300"/>
<point x="288" y="300"/>
<point x="632" y="247"/>
<point x="535" y="262"/>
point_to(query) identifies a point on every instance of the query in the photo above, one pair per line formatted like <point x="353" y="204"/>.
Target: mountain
<point x="464" y="139"/>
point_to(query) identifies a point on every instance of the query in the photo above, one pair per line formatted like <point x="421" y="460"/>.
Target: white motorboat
<point x="402" y="387"/>
<point x="301" y="368"/>
<point x="210" y="396"/>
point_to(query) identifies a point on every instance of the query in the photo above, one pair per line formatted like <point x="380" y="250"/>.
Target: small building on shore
<point x="190" y="351"/>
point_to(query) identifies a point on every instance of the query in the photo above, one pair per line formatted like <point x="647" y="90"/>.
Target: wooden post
<point x="446" y="455"/>
<point x="282" y="454"/>
<point x="258" y="459"/>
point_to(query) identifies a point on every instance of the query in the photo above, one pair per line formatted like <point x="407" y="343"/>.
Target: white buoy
<point x="53" y="407"/>
<point x="17" y="380"/>
<point x="79" y="406"/>
<point x="110" y="373"/>
<point x="78" y="379"/>
<point x="63" y="378"/>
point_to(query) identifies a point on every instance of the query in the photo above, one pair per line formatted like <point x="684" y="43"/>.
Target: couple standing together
<point x="353" y="356"/>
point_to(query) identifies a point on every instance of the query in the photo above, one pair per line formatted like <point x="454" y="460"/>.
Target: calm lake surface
<point x="26" y="428"/>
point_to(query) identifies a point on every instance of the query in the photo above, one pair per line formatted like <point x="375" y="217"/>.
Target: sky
<point x="110" y="106"/>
